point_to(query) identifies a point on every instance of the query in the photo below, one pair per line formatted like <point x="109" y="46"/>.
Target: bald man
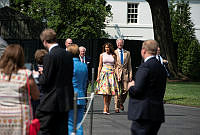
<point x="68" y="42"/>
<point x="146" y="109"/>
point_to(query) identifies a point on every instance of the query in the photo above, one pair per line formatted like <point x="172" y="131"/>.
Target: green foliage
<point x="78" y="19"/>
<point x="180" y="20"/>
<point x="191" y="66"/>
<point x="46" y="12"/>
<point x="183" y="45"/>
<point x="184" y="34"/>
<point x="20" y="5"/>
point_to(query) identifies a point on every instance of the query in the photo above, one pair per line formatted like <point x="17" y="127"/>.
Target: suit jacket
<point x="146" y="97"/>
<point x="56" y="81"/>
<point x="159" y="58"/>
<point x="88" y="61"/>
<point x="124" y="70"/>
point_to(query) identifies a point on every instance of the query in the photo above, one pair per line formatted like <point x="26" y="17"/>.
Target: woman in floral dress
<point x="15" y="115"/>
<point x="107" y="84"/>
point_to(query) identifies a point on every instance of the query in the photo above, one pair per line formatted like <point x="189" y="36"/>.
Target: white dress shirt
<point x="54" y="45"/>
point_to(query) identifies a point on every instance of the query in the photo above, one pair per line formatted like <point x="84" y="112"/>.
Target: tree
<point x="78" y="19"/>
<point x="163" y="32"/>
<point x="182" y="29"/>
<point x="191" y="64"/>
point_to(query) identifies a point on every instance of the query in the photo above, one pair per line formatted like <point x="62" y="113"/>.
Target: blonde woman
<point x="79" y="81"/>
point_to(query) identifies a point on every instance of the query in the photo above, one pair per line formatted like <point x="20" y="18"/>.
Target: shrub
<point x="184" y="35"/>
<point x="191" y="65"/>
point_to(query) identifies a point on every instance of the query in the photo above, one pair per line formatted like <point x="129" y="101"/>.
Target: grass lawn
<point x="183" y="93"/>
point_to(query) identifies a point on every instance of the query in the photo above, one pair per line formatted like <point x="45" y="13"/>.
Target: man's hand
<point x="132" y="83"/>
<point x="35" y="74"/>
<point x="165" y="61"/>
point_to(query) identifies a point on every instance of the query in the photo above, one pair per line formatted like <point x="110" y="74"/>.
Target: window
<point x="132" y="13"/>
<point x="180" y="8"/>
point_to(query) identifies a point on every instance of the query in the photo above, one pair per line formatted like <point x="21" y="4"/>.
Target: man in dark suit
<point x="86" y="60"/>
<point x="163" y="62"/>
<point x="56" y="81"/>
<point x="146" y="109"/>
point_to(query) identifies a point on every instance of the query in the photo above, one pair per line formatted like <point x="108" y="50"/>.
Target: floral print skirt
<point x="107" y="84"/>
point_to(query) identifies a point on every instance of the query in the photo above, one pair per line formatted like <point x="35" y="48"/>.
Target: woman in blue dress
<point x="79" y="80"/>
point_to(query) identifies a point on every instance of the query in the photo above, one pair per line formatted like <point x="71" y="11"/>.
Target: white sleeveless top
<point x="108" y="59"/>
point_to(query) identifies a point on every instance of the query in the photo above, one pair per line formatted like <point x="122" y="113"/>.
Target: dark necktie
<point x="122" y="59"/>
<point x="159" y="58"/>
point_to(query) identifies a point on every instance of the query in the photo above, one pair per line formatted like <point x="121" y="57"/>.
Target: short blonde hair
<point x="74" y="49"/>
<point x="150" y="46"/>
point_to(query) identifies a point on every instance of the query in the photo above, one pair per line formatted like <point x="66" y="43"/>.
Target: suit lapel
<point x="125" y="56"/>
<point x="118" y="57"/>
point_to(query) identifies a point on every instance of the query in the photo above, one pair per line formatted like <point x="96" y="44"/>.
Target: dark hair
<point x="48" y="35"/>
<point x="110" y="47"/>
<point x="39" y="54"/>
<point x="12" y="59"/>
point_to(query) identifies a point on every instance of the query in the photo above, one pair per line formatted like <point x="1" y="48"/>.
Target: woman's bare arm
<point x="100" y="66"/>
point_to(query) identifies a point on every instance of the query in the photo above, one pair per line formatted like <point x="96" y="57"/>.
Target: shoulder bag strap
<point x="29" y="96"/>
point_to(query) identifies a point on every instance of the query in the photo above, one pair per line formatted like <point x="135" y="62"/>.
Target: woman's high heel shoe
<point x="117" y="110"/>
<point x="107" y="113"/>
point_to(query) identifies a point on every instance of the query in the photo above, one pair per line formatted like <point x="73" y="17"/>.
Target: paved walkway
<point x="180" y="120"/>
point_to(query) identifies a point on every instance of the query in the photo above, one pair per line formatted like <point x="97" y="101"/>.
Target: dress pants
<point x="80" y="113"/>
<point x="145" y="127"/>
<point x="119" y="100"/>
<point x="52" y="123"/>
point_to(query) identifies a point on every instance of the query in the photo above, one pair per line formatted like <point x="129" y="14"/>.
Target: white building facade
<point x="132" y="19"/>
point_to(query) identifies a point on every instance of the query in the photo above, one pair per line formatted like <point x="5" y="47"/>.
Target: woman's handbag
<point x="34" y="126"/>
